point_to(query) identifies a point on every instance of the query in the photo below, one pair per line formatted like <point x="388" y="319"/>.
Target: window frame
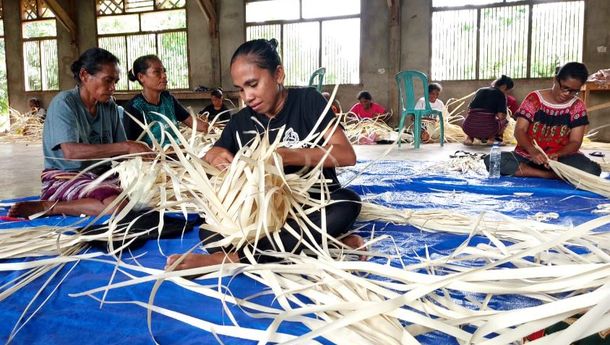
<point x="320" y="21"/>
<point x="146" y="32"/>
<point x="40" y="17"/>
<point x="504" y="3"/>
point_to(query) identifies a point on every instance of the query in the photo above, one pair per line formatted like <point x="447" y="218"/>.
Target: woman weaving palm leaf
<point x="257" y="72"/>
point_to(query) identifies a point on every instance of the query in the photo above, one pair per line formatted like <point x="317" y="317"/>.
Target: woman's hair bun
<point x="273" y="43"/>
<point x="131" y="76"/>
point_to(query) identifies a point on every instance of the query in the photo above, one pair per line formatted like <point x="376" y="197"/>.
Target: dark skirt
<point x="481" y="124"/>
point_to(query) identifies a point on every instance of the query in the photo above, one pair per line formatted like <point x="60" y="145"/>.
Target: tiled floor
<point x="21" y="164"/>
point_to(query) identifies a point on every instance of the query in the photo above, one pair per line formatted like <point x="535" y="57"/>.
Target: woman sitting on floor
<point x="217" y="111"/>
<point x="434" y="90"/>
<point x="257" y="72"/>
<point x="148" y="70"/>
<point x="486" y="117"/>
<point x="555" y="119"/>
<point x="366" y="108"/>
<point x="82" y="125"/>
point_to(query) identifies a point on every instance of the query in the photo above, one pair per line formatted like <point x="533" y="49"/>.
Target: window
<point x="4" y="121"/>
<point x="132" y="28"/>
<point x="39" y="31"/>
<point x="482" y="39"/>
<point x="310" y="38"/>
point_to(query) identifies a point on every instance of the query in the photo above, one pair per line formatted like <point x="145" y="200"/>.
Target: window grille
<point x="40" y="59"/>
<point x="483" y="39"/>
<point x="309" y="38"/>
<point x="132" y="28"/>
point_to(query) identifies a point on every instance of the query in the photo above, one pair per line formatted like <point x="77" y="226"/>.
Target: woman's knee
<point x="592" y="168"/>
<point x="508" y="163"/>
<point x="581" y="162"/>
<point x="351" y="200"/>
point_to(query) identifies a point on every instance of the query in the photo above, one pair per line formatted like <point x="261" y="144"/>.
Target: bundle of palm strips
<point x="360" y="302"/>
<point x="24" y="127"/>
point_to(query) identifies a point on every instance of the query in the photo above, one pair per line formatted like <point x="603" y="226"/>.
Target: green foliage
<point x="41" y="28"/>
<point x="173" y="53"/>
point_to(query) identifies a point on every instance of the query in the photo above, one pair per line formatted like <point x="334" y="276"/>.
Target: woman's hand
<point x="219" y="157"/>
<point x="137" y="147"/>
<point x="201" y="126"/>
<point x="537" y="156"/>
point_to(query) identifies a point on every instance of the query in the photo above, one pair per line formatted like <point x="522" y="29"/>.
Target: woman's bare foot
<point x="355" y="242"/>
<point x="25" y="209"/>
<point x="201" y="260"/>
<point x="468" y="141"/>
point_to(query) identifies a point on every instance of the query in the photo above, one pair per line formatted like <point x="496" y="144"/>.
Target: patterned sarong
<point x="59" y="185"/>
<point x="482" y="124"/>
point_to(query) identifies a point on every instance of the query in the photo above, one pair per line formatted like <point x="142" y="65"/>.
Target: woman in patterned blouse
<point x="555" y="119"/>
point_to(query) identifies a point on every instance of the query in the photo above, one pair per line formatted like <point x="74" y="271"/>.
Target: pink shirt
<point x="373" y="111"/>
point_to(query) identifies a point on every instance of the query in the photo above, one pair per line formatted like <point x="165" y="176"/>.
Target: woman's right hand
<point x="137" y="147"/>
<point x="537" y="156"/>
<point x="219" y="157"/>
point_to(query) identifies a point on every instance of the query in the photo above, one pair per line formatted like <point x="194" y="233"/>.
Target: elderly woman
<point x="257" y="72"/>
<point x="148" y="71"/>
<point x="554" y="119"/>
<point x="82" y="126"/>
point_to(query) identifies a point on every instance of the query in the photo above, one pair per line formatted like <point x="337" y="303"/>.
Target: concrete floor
<point x="20" y="167"/>
<point x="21" y="163"/>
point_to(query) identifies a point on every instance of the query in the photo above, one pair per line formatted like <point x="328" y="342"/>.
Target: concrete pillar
<point x="232" y="14"/>
<point x="201" y="48"/>
<point x="11" y="12"/>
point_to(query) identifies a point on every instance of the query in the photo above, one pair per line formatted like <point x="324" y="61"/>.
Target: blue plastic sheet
<point x="67" y="320"/>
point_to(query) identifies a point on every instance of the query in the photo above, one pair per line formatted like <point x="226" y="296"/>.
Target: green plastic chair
<point x="405" y="81"/>
<point x="319" y="73"/>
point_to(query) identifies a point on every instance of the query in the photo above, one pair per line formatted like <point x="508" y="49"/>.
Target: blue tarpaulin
<point x="77" y="320"/>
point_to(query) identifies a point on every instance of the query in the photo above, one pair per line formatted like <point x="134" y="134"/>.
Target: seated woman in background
<point x="257" y="72"/>
<point x="486" y="118"/>
<point x="150" y="73"/>
<point x="217" y="107"/>
<point x="36" y="108"/>
<point x="434" y="90"/>
<point x="366" y="108"/>
<point x="556" y="120"/>
<point x="82" y="126"/>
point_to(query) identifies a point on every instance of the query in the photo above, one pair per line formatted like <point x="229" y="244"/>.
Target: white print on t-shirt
<point x="291" y="138"/>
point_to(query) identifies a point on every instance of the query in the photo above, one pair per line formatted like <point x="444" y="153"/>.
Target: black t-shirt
<point x="490" y="99"/>
<point x="300" y="113"/>
<point x="225" y="116"/>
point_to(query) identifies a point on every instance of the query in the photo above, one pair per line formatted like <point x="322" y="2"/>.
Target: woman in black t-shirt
<point x="258" y="73"/>
<point x="217" y="111"/>
<point x="486" y="118"/>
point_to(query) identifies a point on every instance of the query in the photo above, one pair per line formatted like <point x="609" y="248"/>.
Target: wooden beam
<point x="209" y="10"/>
<point x="64" y="17"/>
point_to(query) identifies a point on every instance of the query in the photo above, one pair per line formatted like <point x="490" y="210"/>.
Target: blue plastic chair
<point x="319" y="73"/>
<point x="405" y="81"/>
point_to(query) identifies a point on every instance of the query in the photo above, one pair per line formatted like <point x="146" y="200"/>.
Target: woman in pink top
<point x="366" y="108"/>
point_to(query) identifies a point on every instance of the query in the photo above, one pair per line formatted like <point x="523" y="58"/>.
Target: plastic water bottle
<point x="494" y="161"/>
